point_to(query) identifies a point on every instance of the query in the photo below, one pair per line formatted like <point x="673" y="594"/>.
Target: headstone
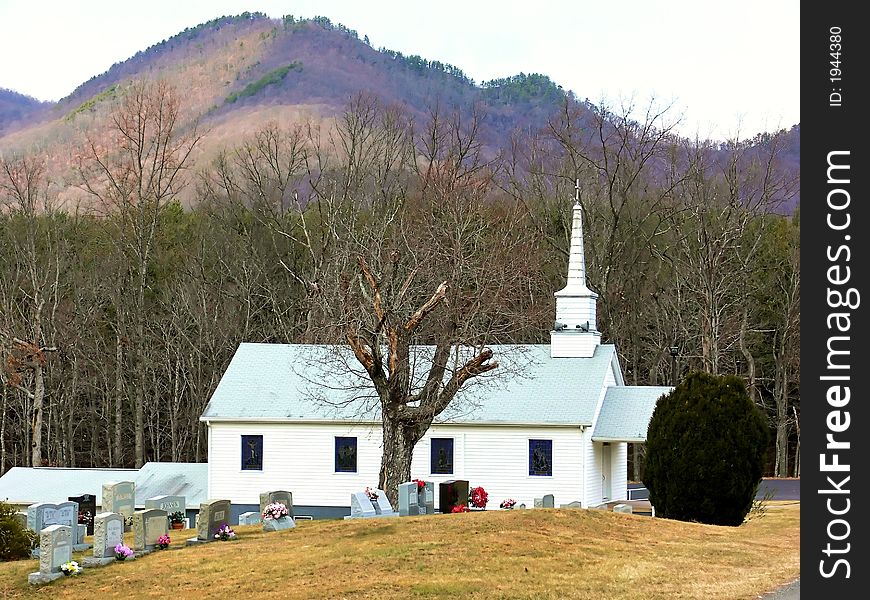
<point x="213" y="514"/>
<point x="250" y="518"/>
<point x="549" y="501"/>
<point x="408" y="499"/>
<point x="87" y="510"/>
<point x="148" y="525"/>
<point x="282" y="496"/>
<point x="623" y="508"/>
<point x="43" y="514"/>
<point x="108" y="533"/>
<point x="575" y="504"/>
<point x="119" y="497"/>
<point x="539" y="503"/>
<point x="170" y="504"/>
<point x="55" y="549"/>
<point x="427" y="502"/>
<point x="452" y="493"/>
<point x="361" y="507"/>
<point x="382" y="505"/>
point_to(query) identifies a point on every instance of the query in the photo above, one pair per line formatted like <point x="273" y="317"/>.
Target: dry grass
<point x="495" y="554"/>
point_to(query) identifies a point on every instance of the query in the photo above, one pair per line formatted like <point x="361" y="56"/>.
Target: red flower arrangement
<point x="460" y="508"/>
<point x="420" y="484"/>
<point x="478" y="497"/>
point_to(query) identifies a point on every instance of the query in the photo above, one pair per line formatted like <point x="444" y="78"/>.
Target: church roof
<point x="28" y="485"/>
<point x="305" y="383"/>
<point x="626" y="412"/>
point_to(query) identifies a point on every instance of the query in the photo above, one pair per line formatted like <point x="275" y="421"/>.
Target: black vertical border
<point x="827" y="127"/>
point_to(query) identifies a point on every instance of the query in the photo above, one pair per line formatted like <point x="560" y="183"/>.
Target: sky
<point x="727" y="68"/>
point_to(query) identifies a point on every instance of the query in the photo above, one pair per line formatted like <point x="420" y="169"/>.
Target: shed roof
<point x="304" y="383"/>
<point x="28" y="485"/>
<point x="626" y="412"/>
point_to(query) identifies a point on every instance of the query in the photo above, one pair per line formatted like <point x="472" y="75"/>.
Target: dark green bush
<point x="16" y="541"/>
<point x="705" y="451"/>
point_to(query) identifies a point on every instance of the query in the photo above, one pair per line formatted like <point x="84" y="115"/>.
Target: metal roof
<point x="28" y="485"/>
<point x="626" y="412"/>
<point x="296" y="382"/>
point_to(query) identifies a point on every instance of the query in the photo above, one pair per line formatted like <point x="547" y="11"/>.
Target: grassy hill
<point x="495" y="554"/>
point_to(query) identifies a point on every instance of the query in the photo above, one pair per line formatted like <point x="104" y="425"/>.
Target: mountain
<point x="15" y="108"/>
<point x="236" y="73"/>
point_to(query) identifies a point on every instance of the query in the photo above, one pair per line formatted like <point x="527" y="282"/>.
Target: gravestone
<point x="213" y="514"/>
<point x="282" y="496"/>
<point x="43" y="514"/>
<point x="148" y="525"/>
<point x="549" y="501"/>
<point x="55" y="549"/>
<point x="575" y="504"/>
<point x="452" y="493"/>
<point x="250" y="518"/>
<point x="382" y="505"/>
<point x="87" y="510"/>
<point x="278" y="524"/>
<point x="623" y="508"/>
<point x="539" y="503"/>
<point x="108" y="533"/>
<point x="119" y="497"/>
<point x="426" y="500"/>
<point x="170" y="504"/>
<point x="361" y="507"/>
<point x="409" y="499"/>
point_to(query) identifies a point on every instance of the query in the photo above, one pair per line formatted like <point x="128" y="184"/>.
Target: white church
<point x="561" y="426"/>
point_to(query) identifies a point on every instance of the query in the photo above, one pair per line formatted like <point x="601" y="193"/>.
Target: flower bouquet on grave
<point x="421" y="485"/>
<point x="508" y="504"/>
<point x="85" y="517"/>
<point x="276" y="510"/>
<point x="122" y="552"/>
<point x="176" y="519"/>
<point x="460" y="508"/>
<point x="477" y="497"/>
<point x="225" y="533"/>
<point x="163" y="541"/>
<point x="372" y="494"/>
<point x="70" y="568"/>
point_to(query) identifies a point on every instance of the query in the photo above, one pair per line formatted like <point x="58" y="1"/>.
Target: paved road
<point x="792" y="591"/>
<point x="783" y="489"/>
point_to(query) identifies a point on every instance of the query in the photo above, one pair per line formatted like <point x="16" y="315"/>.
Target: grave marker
<point x="108" y="533"/>
<point x="55" y="549"/>
<point x="87" y="510"/>
<point x="148" y="526"/>
<point x="282" y="496"/>
<point x="452" y="493"/>
<point x="119" y="497"/>
<point x="212" y="515"/>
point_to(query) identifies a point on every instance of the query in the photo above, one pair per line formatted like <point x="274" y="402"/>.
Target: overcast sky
<point x="728" y="67"/>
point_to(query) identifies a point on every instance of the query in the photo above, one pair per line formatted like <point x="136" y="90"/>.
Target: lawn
<point x="493" y="554"/>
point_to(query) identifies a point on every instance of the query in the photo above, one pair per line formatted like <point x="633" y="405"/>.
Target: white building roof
<point x="626" y="412"/>
<point x="28" y="485"/>
<point x="304" y="383"/>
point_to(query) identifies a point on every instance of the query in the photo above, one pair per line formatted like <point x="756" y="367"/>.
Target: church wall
<point x="300" y="457"/>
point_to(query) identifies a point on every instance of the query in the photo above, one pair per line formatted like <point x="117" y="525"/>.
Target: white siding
<point x="300" y="458"/>
<point x="573" y="344"/>
<point x="592" y="456"/>
<point x="619" y="471"/>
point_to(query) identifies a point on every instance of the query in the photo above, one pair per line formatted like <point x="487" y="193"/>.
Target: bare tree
<point x="133" y="171"/>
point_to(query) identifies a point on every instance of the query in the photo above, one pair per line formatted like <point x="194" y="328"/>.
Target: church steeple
<point x="575" y="333"/>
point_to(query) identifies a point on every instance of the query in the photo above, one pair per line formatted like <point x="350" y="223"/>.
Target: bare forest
<point x="379" y="229"/>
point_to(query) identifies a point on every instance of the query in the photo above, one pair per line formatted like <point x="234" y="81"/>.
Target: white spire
<point x="576" y="259"/>
<point x="575" y="333"/>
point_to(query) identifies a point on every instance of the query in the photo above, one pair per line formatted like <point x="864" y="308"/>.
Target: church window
<point x="252" y="453"/>
<point x="442" y="456"/>
<point x="345" y="455"/>
<point x="541" y="457"/>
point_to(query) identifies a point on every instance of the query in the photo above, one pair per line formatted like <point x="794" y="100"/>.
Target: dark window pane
<point x="252" y="453"/>
<point x="442" y="456"/>
<point x="540" y="457"/>
<point x="345" y="455"/>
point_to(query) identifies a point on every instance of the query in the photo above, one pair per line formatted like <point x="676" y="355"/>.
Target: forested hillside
<point x="162" y="220"/>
